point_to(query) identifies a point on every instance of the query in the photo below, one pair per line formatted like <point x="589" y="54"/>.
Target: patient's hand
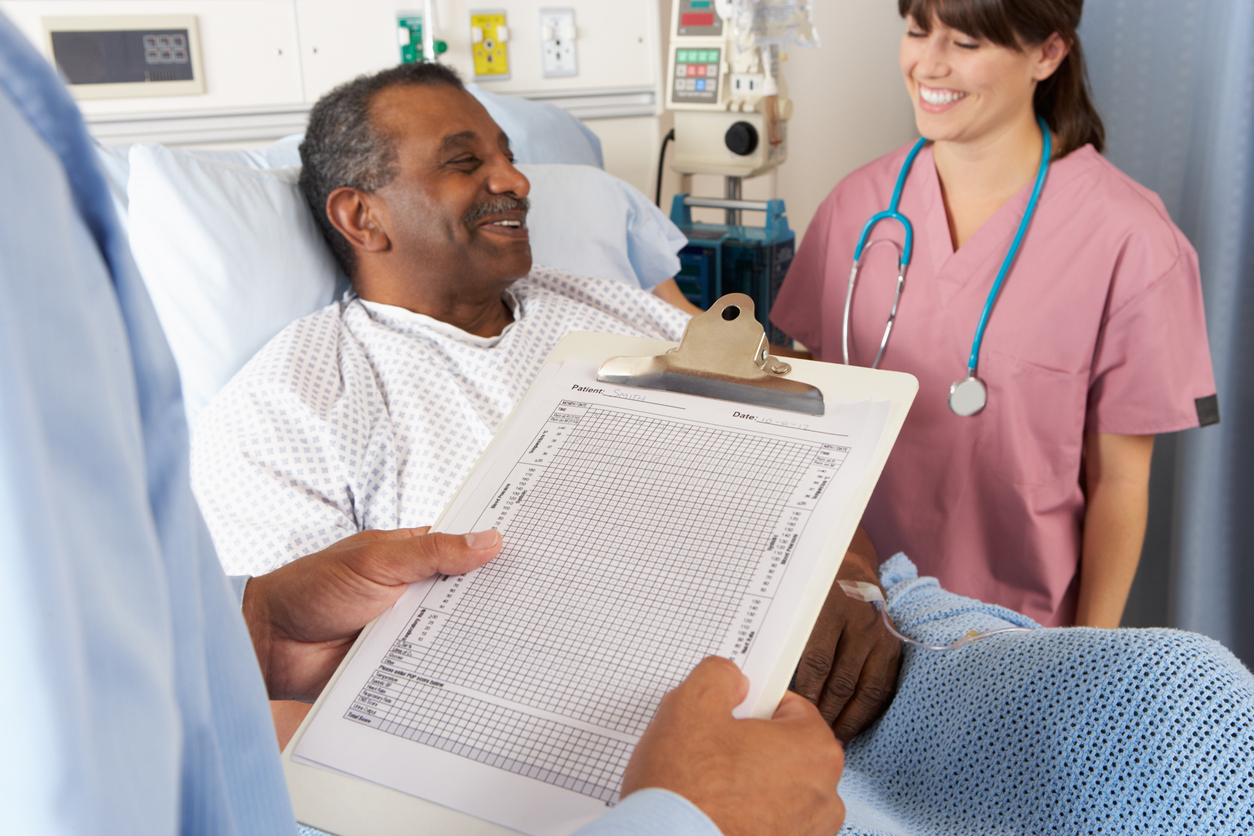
<point x="849" y="667"/>
<point x="748" y="776"/>
<point x="304" y="616"/>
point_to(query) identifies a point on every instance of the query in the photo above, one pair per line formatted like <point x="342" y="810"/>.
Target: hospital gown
<point x="369" y="416"/>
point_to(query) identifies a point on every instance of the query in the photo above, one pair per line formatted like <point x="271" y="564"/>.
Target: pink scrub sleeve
<point x="1151" y="370"/>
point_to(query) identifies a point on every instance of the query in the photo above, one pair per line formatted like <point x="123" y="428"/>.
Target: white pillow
<point x="281" y="152"/>
<point x="230" y="256"/>
<point x="590" y="223"/>
<point x="116" y="167"/>
<point x="540" y="132"/>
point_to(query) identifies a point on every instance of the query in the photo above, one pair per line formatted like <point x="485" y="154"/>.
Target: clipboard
<point x="724" y="355"/>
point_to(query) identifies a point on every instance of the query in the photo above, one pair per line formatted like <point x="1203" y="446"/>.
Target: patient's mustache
<point x="504" y="203"/>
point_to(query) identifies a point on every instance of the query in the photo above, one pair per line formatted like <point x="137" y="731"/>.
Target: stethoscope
<point x="969" y="395"/>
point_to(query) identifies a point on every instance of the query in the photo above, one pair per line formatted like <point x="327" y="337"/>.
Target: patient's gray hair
<point x="342" y="149"/>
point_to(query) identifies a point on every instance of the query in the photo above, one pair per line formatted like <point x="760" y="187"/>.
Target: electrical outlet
<point x="557" y="43"/>
<point x="489" y="39"/>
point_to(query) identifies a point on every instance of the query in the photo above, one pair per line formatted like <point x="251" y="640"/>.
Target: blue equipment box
<point x="722" y="258"/>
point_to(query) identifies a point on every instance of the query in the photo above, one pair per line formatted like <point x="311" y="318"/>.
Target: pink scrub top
<point x="1099" y="327"/>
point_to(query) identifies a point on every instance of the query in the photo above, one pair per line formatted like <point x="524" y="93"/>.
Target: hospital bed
<point x="230" y="253"/>
<point x="1053" y="731"/>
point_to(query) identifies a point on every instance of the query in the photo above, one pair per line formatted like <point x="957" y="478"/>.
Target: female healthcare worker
<point x="1028" y="488"/>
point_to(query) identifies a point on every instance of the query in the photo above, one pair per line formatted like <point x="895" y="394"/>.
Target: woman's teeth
<point x="940" y="97"/>
<point x="514" y="224"/>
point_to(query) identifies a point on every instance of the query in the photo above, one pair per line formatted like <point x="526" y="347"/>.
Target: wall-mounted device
<point x="121" y="56"/>
<point x="489" y="44"/>
<point x="557" y="43"/>
<point x="730" y="102"/>
<point x="410" y="37"/>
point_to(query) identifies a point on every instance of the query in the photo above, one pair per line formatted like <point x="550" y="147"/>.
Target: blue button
<point x="700" y="84"/>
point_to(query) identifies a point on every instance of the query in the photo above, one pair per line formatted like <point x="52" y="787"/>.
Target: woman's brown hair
<point x="1063" y="99"/>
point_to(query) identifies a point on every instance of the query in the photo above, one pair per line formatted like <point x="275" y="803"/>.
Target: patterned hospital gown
<point x="364" y="415"/>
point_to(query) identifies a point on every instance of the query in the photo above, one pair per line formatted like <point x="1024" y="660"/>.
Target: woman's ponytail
<point x="1064" y="102"/>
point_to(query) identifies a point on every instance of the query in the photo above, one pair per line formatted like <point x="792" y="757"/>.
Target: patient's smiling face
<point x="454" y="215"/>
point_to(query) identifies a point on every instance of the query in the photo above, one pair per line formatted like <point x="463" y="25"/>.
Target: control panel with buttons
<point x="729" y="100"/>
<point x="696" y="78"/>
<point x="166" y="48"/>
<point x="118" y="56"/>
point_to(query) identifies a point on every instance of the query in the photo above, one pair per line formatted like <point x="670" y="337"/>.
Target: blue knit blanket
<point x="1057" y="731"/>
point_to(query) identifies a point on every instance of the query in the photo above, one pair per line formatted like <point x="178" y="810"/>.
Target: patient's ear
<point x="356" y="215"/>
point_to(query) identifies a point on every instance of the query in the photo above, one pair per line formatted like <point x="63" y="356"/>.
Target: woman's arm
<point x="783" y="351"/>
<point x="668" y="291"/>
<point x="1117" y="469"/>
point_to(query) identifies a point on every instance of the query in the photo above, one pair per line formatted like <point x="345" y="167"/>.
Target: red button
<point x="697" y="19"/>
<point x="692" y="70"/>
<point x="701" y="70"/>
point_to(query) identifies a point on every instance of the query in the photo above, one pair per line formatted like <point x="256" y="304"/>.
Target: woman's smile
<point x="939" y="99"/>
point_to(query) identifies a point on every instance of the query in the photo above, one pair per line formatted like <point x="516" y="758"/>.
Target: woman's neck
<point x="980" y="175"/>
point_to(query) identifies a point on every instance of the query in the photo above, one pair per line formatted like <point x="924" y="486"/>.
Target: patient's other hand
<point x="304" y="616"/>
<point x="849" y="667"/>
<point x="748" y="776"/>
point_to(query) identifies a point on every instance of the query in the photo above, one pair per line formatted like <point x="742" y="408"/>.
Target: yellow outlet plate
<point x="491" y="56"/>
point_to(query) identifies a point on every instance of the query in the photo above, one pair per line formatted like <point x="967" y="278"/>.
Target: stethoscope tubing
<point x="903" y="259"/>
<point x="893" y="213"/>
<point x="892" y="313"/>
<point x="1046" y="153"/>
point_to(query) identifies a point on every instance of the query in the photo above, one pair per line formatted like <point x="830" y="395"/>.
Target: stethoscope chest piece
<point x="967" y="396"/>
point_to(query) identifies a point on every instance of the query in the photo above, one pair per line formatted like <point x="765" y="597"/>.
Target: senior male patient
<point x="371" y="412"/>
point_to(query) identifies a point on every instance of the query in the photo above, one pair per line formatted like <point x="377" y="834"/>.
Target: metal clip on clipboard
<point x="723" y="354"/>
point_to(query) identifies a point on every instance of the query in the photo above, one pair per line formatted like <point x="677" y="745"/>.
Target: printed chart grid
<point x="637" y="523"/>
<point x="582" y="761"/>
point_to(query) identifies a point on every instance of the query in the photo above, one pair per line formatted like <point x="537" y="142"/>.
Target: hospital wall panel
<point x="616" y="44"/>
<point x="267" y="52"/>
<point x="267" y="61"/>
<point x="249" y="48"/>
<point x="629" y="146"/>
<point x="337" y="45"/>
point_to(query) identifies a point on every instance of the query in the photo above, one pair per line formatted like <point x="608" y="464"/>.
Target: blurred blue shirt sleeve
<point x="132" y="697"/>
<point x="652" y="812"/>
<point x="238" y="582"/>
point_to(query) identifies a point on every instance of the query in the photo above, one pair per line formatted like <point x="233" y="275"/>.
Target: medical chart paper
<point x="644" y="530"/>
